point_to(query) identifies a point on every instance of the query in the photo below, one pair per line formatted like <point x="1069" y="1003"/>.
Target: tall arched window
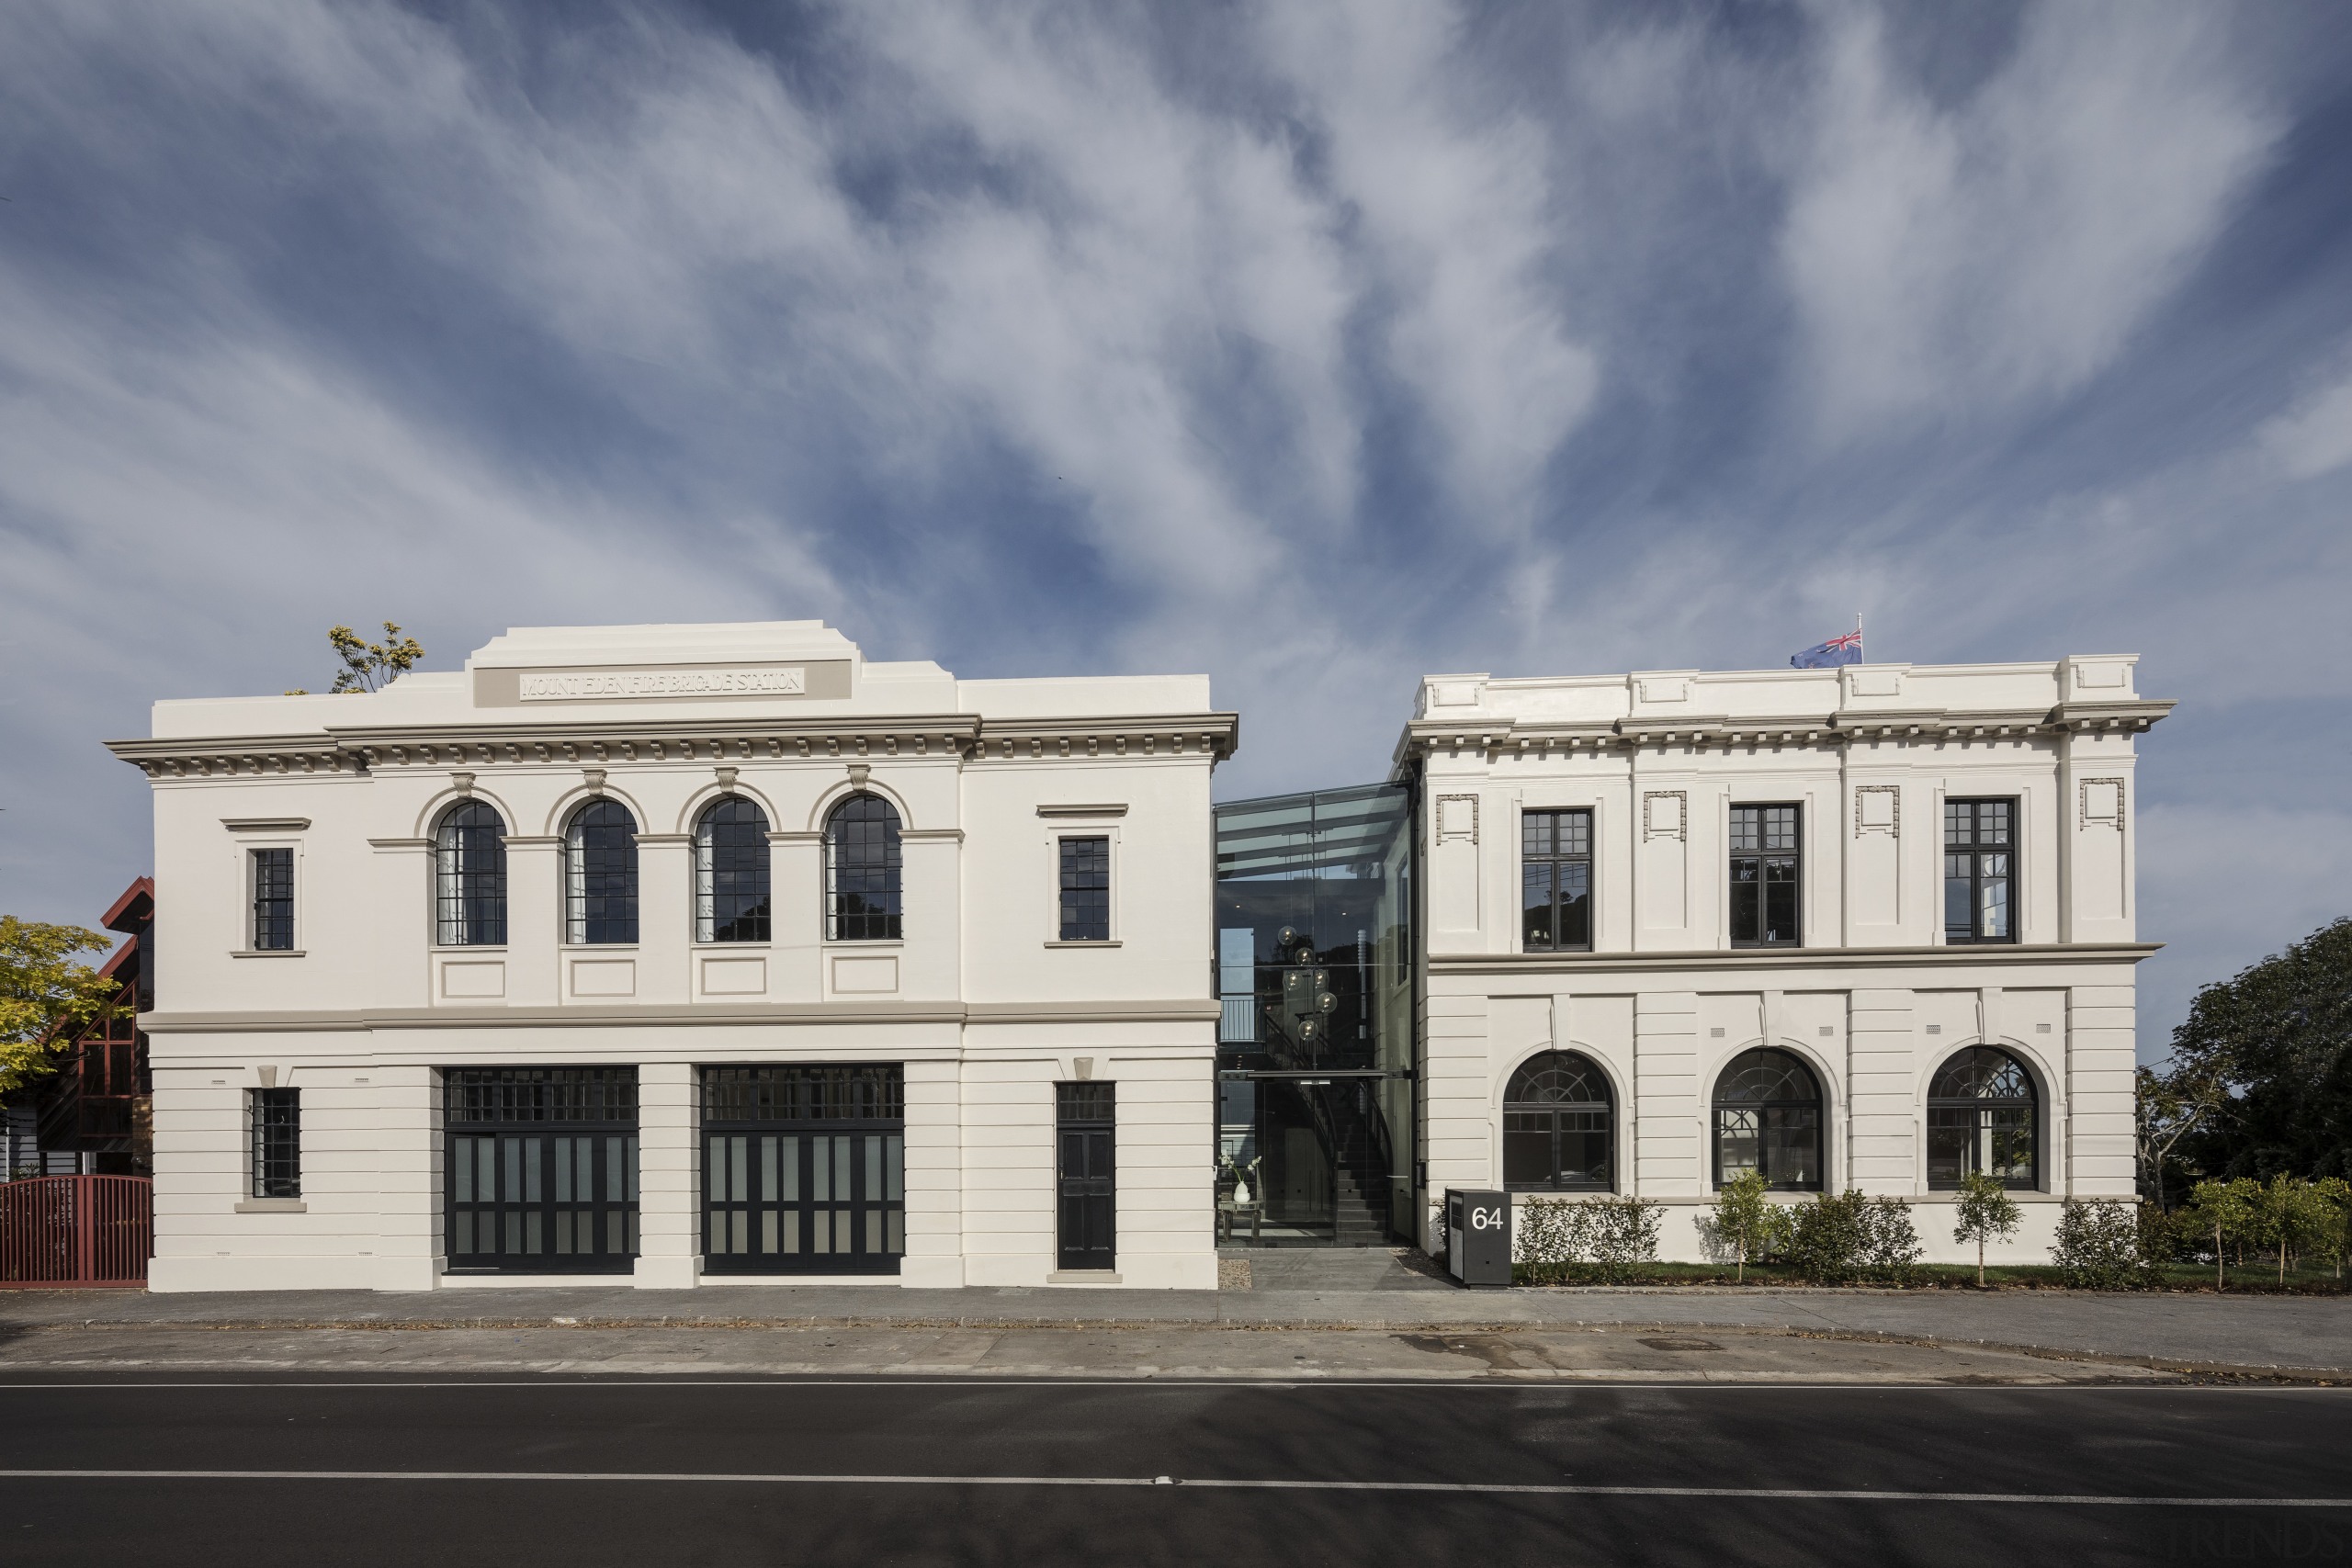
<point x="469" y="877"/>
<point x="862" y="870"/>
<point x="1768" y="1120"/>
<point x="1556" y="1127"/>
<point x="731" y="872"/>
<point x="1981" y="1117"/>
<point x="600" y="874"/>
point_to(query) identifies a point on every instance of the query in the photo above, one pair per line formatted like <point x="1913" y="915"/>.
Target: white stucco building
<point x="681" y="952"/>
<point x="1864" y="927"/>
<point x="718" y="953"/>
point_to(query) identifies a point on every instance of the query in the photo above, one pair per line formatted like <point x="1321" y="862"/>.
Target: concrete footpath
<point x="1367" y="1312"/>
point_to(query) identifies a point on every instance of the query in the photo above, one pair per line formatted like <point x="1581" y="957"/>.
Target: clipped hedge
<point x="1582" y="1241"/>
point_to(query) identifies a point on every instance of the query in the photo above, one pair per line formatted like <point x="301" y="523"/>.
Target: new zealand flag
<point x="1846" y="649"/>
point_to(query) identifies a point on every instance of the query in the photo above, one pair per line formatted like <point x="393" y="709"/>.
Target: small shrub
<point x="1890" y="1242"/>
<point x="1584" y="1241"/>
<point x="1829" y="1237"/>
<point x="2103" y="1245"/>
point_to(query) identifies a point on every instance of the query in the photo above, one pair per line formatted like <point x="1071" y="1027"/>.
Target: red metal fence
<point x="76" y="1230"/>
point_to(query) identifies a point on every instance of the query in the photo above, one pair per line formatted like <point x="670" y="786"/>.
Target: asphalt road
<point x="956" y="1470"/>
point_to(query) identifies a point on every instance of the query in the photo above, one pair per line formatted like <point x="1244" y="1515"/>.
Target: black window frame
<point x="470" y="877"/>
<point x="1977" y="848"/>
<point x="272" y="917"/>
<point x="1086" y="1192"/>
<point x="1977" y="1114"/>
<point x="803" y="1154"/>
<point x="864" y="871"/>
<point x="1522" y="1111"/>
<point x="275" y="1169"/>
<point x="600" y="885"/>
<point x="1544" y="856"/>
<point x="1082" y="865"/>
<point x="1719" y="1107"/>
<point x="540" y="1135"/>
<point x="733" y="897"/>
<point x="1756" y="850"/>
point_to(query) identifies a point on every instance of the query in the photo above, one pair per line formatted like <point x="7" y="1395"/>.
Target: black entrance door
<point x="1087" y="1196"/>
<point x="804" y="1170"/>
<point x="540" y="1169"/>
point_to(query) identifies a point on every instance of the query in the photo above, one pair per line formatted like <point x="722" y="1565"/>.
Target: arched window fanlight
<point x="731" y="872"/>
<point x="469" y="877"/>
<point x="1981" y="1116"/>
<point x="1558" y="1126"/>
<point x="1768" y="1120"/>
<point x="600" y="874"/>
<point x="862" y="870"/>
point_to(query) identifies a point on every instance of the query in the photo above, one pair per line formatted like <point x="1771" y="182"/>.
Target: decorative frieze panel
<point x="1666" y="814"/>
<point x="2100" y="801"/>
<point x="1878" y="808"/>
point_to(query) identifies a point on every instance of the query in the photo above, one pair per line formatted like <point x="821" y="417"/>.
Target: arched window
<point x="1981" y="1117"/>
<point x="731" y="872"/>
<point x="1768" y="1120"/>
<point x="469" y="877"/>
<point x="862" y="870"/>
<point x="1556" y="1127"/>
<point x="600" y="874"/>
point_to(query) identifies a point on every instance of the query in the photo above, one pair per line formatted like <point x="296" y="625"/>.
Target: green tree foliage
<point x="1985" y="1211"/>
<point x="2260" y="1082"/>
<point x="45" y="994"/>
<point x="1747" y="1222"/>
<point x="369" y="666"/>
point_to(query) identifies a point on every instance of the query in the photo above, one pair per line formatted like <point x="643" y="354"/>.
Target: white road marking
<point x="1287" y="1385"/>
<point x="1773" y="1494"/>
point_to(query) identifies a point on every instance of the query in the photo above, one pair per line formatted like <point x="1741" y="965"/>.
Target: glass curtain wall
<point x="1315" y="1045"/>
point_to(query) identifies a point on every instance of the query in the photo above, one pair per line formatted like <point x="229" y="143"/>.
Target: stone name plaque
<point x="572" y="686"/>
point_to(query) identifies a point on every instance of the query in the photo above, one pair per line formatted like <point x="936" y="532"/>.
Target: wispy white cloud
<point x="2313" y="437"/>
<point x="1945" y="259"/>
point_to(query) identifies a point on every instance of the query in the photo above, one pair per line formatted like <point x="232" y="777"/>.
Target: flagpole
<point x="1860" y="646"/>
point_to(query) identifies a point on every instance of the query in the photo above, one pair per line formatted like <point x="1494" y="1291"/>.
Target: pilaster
<point x="669" y="1178"/>
<point x="1670" y="1158"/>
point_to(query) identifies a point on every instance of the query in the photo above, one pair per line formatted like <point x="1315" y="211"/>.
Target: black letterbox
<point x="1478" y="1237"/>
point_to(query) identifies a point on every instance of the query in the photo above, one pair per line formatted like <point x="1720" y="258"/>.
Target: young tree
<point x="45" y="995"/>
<point x="1747" y="1219"/>
<point x="2334" y="1197"/>
<point x="1985" y="1211"/>
<point x="369" y="666"/>
<point x="2226" y="1209"/>
<point x="2291" y="1214"/>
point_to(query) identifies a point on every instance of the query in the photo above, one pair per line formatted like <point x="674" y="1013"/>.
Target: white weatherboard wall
<point x="981" y="1004"/>
<point x="1874" y="1000"/>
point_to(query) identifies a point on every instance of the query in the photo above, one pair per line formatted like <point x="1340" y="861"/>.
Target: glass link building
<point x="1315" y="1059"/>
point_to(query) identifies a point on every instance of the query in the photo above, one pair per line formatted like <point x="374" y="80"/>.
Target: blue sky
<point x="1312" y="345"/>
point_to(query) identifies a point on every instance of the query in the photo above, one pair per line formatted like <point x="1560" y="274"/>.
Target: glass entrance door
<point x="1301" y="1161"/>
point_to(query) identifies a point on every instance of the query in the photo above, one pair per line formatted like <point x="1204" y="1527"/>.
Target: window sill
<point x="460" y="952"/>
<point x="266" y="953"/>
<point x="618" y="947"/>
<point x="734" y="946"/>
<point x="865" y="945"/>
<point x="272" y="1206"/>
<point x="1106" y="942"/>
<point x="1083" y="1277"/>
